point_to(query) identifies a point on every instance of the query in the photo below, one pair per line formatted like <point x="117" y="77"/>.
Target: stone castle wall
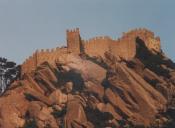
<point x="74" y="41"/>
<point x="125" y="47"/>
<point x="39" y="57"/>
<point x="97" y="46"/>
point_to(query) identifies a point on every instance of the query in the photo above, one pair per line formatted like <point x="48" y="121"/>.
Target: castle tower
<point x="74" y="41"/>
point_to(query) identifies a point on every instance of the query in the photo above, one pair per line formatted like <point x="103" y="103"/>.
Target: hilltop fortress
<point x="124" y="47"/>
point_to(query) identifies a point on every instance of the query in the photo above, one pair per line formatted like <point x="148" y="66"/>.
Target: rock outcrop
<point x="81" y="91"/>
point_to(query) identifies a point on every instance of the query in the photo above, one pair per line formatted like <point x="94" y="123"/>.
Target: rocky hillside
<point x="85" y="92"/>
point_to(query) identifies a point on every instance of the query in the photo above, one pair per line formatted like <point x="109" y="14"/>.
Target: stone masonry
<point x="124" y="47"/>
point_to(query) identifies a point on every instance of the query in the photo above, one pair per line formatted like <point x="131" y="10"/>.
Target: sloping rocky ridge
<point x="85" y="92"/>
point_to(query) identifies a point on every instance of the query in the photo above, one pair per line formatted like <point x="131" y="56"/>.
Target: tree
<point x="9" y="72"/>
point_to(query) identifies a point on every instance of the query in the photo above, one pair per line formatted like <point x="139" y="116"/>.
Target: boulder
<point x="75" y="115"/>
<point x="57" y="97"/>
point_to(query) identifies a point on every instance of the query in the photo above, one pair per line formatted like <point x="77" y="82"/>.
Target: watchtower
<point x="74" y="41"/>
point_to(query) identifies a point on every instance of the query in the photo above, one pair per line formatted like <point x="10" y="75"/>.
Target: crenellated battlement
<point x="76" y="30"/>
<point x="39" y="56"/>
<point x="73" y="41"/>
<point x="125" y="47"/>
<point x="97" y="39"/>
<point x="140" y="32"/>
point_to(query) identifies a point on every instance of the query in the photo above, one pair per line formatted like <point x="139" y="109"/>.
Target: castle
<point x="125" y="47"/>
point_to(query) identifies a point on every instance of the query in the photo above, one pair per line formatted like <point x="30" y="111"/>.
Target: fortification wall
<point x="41" y="56"/>
<point x="124" y="47"/>
<point x="73" y="41"/>
<point x="97" y="46"/>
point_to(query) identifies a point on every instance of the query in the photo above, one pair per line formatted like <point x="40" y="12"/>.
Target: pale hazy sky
<point x="27" y="25"/>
